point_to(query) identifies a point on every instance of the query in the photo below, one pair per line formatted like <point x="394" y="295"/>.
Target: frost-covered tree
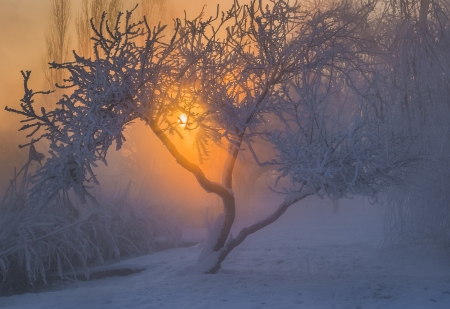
<point x="415" y="89"/>
<point x="281" y="84"/>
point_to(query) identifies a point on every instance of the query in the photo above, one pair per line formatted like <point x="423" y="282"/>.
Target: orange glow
<point x="182" y="120"/>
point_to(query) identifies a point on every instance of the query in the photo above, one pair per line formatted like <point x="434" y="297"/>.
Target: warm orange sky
<point x="22" y="29"/>
<point x="23" y="24"/>
<point x="22" y="34"/>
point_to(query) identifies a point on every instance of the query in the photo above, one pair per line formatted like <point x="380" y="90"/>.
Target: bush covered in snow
<point x="40" y="245"/>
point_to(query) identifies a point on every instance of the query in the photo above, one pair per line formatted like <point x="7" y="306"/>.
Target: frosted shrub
<point x="34" y="244"/>
<point x="38" y="245"/>
<point x="133" y="226"/>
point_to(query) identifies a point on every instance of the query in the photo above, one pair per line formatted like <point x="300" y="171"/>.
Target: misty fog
<point x="353" y="133"/>
<point x="143" y="162"/>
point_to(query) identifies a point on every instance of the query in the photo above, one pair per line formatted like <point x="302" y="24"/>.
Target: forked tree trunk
<point x="214" y="264"/>
<point x="224" y="191"/>
<point x="218" y="249"/>
<point x="229" y="210"/>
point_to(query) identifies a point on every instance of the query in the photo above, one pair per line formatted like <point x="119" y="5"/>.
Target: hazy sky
<point x="23" y="24"/>
<point x="22" y="35"/>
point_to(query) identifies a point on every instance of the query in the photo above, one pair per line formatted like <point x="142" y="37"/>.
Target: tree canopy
<point x="289" y="86"/>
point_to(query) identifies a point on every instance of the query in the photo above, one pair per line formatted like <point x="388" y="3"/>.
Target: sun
<point x="182" y="120"/>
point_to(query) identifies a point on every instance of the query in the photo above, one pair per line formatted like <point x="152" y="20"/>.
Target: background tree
<point x="83" y="29"/>
<point x="93" y="9"/>
<point x="155" y="11"/>
<point x="269" y="84"/>
<point x="57" y="41"/>
<point x="416" y="39"/>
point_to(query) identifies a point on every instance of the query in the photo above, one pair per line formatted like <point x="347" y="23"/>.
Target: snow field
<point x="310" y="258"/>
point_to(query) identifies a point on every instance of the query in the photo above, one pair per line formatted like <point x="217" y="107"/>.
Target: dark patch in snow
<point x="111" y="273"/>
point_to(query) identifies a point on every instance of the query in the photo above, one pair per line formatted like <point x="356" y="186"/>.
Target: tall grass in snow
<point x="41" y="245"/>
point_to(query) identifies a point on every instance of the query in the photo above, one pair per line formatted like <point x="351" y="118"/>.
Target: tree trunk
<point x="216" y="250"/>
<point x="214" y="263"/>
<point x="229" y="210"/>
<point x="223" y="190"/>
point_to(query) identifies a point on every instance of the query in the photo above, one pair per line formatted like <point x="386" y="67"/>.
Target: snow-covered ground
<point x="310" y="258"/>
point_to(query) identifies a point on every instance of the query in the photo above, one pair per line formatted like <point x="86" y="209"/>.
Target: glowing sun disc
<point x="182" y="120"/>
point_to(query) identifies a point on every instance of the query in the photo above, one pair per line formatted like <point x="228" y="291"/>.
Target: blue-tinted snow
<point x="310" y="258"/>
